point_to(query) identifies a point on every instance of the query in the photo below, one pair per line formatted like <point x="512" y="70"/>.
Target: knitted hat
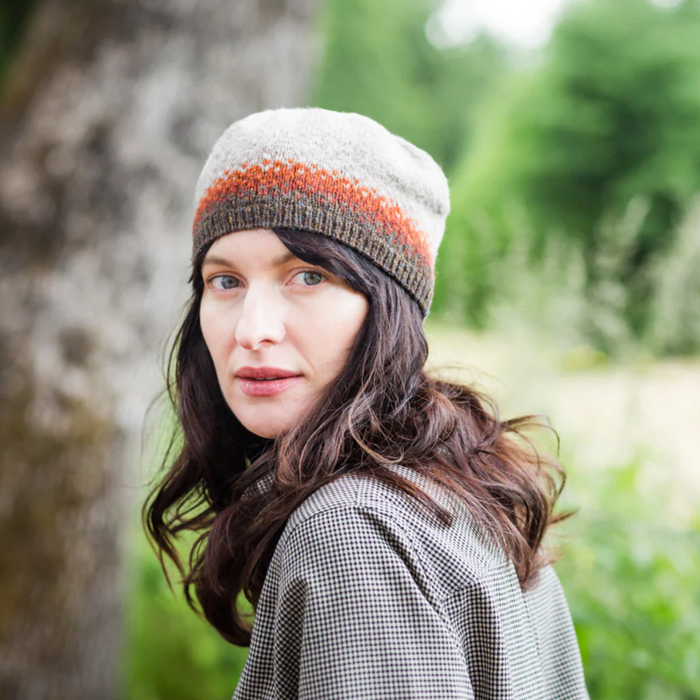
<point x="338" y="174"/>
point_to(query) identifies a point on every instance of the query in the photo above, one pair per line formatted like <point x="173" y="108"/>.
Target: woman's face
<point x="262" y="307"/>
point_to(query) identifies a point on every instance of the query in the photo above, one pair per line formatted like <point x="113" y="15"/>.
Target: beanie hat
<point x="338" y="174"/>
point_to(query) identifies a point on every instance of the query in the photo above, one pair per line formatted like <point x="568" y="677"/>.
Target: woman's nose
<point x="261" y="319"/>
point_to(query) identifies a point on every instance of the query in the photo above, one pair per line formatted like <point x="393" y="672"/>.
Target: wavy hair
<point x="383" y="409"/>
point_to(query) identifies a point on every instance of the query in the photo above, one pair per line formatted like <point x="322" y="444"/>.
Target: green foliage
<point x="170" y="652"/>
<point x="675" y="307"/>
<point x="378" y="61"/>
<point x="606" y="121"/>
<point x="632" y="580"/>
<point x="498" y="285"/>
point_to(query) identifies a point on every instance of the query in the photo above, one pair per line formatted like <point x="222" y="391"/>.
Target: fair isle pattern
<point x="365" y="598"/>
<point x="301" y="195"/>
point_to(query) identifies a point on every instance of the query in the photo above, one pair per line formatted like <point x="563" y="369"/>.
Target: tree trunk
<point x="107" y="114"/>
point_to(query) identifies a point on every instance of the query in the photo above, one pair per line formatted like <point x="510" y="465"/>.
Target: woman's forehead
<point x="254" y="243"/>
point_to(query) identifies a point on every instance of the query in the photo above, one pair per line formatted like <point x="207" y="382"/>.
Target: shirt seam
<point x="438" y="605"/>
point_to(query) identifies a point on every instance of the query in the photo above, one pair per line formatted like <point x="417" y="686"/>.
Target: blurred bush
<point x="488" y="282"/>
<point x="594" y="153"/>
<point x="377" y="60"/>
<point x="170" y="653"/>
<point x="632" y="579"/>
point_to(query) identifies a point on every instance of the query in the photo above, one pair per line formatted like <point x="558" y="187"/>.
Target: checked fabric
<point x="366" y="598"/>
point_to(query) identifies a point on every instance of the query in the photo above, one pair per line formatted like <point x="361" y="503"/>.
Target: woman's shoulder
<point x="363" y="491"/>
<point x="333" y="515"/>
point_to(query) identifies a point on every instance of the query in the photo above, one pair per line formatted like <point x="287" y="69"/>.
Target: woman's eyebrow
<point x="216" y="260"/>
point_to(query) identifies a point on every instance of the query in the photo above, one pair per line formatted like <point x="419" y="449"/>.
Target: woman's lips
<point x="267" y="387"/>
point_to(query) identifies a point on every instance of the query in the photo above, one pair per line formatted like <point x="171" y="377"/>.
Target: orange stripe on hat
<point x="302" y="179"/>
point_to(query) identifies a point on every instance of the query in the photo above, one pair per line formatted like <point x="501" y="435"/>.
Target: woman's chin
<point x="267" y="426"/>
<point x="271" y="420"/>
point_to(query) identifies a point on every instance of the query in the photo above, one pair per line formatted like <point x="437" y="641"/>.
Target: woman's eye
<point x="312" y="278"/>
<point x="227" y="282"/>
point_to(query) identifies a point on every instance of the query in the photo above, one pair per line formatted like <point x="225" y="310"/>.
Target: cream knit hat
<point x="339" y="174"/>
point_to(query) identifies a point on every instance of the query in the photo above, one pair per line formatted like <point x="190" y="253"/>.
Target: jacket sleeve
<point x="355" y="616"/>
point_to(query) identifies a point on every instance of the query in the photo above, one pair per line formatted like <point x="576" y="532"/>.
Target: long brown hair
<point x="383" y="409"/>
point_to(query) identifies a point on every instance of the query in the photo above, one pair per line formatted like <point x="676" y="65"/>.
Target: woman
<point x="385" y="525"/>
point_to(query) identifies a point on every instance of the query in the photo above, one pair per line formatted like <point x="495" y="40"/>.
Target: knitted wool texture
<point x="338" y="174"/>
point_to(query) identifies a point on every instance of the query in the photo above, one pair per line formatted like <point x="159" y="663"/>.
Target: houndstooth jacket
<point x="366" y="598"/>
